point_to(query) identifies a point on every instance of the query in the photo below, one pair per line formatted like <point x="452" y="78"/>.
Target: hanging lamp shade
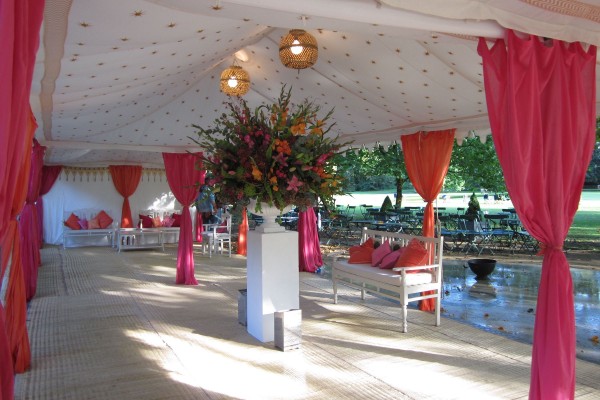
<point x="235" y="81"/>
<point x="298" y="49"/>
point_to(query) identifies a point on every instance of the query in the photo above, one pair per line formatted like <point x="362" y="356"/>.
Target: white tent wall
<point x="76" y="191"/>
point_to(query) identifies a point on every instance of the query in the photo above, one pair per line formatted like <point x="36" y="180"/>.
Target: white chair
<point x="216" y="237"/>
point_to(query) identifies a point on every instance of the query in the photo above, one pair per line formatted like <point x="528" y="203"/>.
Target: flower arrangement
<point x="277" y="153"/>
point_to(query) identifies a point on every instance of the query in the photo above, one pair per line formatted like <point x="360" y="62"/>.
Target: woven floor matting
<point x="108" y="325"/>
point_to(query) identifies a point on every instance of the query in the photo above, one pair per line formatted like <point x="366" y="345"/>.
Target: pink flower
<point x="281" y="159"/>
<point x="294" y="184"/>
<point x="231" y="172"/>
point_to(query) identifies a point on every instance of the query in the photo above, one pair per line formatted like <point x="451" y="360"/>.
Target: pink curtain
<point x="242" y="248"/>
<point x="308" y="241"/>
<point x="20" y="23"/>
<point x="184" y="175"/>
<point x="541" y="102"/>
<point x="29" y="224"/>
<point x="50" y="174"/>
<point x="126" y="179"/>
<point x="427" y="157"/>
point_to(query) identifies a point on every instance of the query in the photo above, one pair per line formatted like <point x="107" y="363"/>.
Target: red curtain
<point x="308" y="241"/>
<point x="184" y="175"/>
<point x="50" y="174"/>
<point x="29" y="224"/>
<point x="541" y="101"/>
<point x="243" y="234"/>
<point x="20" y="23"/>
<point x="427" y="157"/>
<point x="126" y="179"/>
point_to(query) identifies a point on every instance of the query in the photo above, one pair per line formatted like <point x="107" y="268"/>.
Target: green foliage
<point x="386" y="205"/>
<point x="474" y="209"/>
<point x="473" y="166"/>
<point x="376" y="169"/>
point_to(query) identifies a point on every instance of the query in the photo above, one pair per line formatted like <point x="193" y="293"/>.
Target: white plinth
<point x="273" y="280"/>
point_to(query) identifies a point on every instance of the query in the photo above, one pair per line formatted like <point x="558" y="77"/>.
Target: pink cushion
<point x="104" y="220"/>
<point x="73" y="222"/>
<point x="390" y="259"/>
<point x="83" y="223"/>
<point x="383" y="250"/>
<point x="167" y="221"/>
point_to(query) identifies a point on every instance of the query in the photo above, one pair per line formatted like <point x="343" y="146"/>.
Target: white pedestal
<point x="273" y="280"/>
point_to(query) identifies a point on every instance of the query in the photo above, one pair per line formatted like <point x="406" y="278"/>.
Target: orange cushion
<point x="93" y="224"/>
<point x="104" y="220"/>
<point x="73" y="222"/>
<point x="156" y="222"/>
<point x="414" y="255"/>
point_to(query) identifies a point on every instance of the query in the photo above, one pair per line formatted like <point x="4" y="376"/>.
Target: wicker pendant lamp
<point x="235" y="81"/>
<point x="298" y="49"/>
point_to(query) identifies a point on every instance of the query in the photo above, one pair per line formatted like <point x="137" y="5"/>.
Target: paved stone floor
<point x="108" y="325"/>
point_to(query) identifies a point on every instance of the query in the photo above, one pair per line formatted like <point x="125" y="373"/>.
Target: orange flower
<point x="256" y="174"/>
<point x="299" y="129"/>
<point x="318" y="128"/>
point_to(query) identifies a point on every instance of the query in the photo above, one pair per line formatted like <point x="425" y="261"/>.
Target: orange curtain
<point x="126" y="179"/>
<point x="16" y="304"/>
<point x="243" y="233"/>
<point x="427" y="157"/>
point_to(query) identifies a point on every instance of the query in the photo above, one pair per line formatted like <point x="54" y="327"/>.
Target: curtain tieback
<point x="545" y="248"/>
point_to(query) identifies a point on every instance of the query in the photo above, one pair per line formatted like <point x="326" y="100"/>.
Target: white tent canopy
<point x="120" y="82"/>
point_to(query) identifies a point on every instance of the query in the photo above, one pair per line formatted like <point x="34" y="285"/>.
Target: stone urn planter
<point x="482" y="267"/>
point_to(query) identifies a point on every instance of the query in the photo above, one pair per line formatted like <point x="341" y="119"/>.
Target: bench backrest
<point x="433" y="245"/>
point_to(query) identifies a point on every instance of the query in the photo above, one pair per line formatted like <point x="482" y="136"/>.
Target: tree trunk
<point x="399" y="184"/>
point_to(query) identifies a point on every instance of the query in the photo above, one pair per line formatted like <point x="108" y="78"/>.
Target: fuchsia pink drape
<point x="184" y="177"/>
<point x="29" y="225"/>
<point x="541" y="103"/>
<point x="309" y="249"/>
<point x="427" y="157"/>
<point x="126" y="179"/>
<point x="20" y="23"/>
<point x="243" y="234"/>
<point x="50" y="174"/>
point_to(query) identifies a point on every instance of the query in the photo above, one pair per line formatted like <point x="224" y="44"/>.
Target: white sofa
<point x="88" y="237"/>
<point x="395" y="283"/>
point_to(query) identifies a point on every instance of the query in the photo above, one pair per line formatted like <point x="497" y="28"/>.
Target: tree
<point x="369" y="169"/>
<point x="592" y="176"/>
<point x="473" y="166"/>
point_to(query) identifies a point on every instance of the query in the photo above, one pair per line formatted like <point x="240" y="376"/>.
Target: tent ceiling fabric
<point x="121" y="82"/>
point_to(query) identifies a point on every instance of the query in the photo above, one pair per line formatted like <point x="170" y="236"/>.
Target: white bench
<point x="395" y="284"/>
<point x="73" y="238"/>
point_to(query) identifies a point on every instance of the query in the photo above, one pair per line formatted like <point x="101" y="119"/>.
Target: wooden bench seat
<point x="398" y="284"/>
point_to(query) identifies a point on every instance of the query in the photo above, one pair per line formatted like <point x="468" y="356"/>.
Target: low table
<point x="140" y="238"/>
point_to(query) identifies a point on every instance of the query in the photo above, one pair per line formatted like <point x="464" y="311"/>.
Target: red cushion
<point x="389" y="260"/>
<point x="146" y="221"/>
<point x="222" y="228"/>
<point x="176" y="220"/>
<point x="369" y="243"/>
<point x="73" y="222"/>
<point x="361" y="256"/>
<point x="104" y="220"/>
<point x="415" y="255"/>
<point x="383" y="250"/>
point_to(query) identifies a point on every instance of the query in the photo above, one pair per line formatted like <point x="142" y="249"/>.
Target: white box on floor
<point x="288" y="329"/>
